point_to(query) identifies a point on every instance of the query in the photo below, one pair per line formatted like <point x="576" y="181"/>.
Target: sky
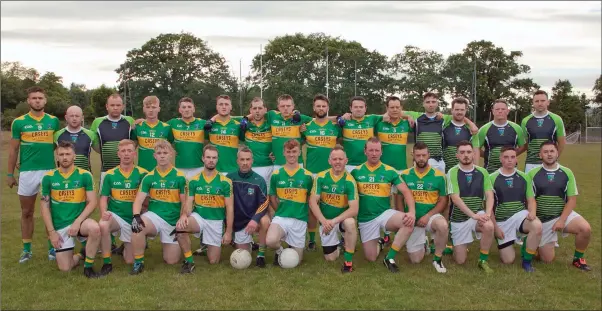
<point x="85" y="41"/>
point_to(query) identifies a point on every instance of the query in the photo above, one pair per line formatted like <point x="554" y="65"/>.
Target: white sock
<point x="279" y="250"/>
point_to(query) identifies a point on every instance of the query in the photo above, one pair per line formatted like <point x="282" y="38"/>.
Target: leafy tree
<point x="171" y="66"/>
<point x="57" y="95"/>
<point x="15" y="79"/>
<point x="568" y="105"/>
<point x="98" y="101"/>
<point x="597" y="89"/>
<point x="79" y="95"/>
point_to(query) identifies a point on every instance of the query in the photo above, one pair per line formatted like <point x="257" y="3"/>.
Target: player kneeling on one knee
<point x="209" y="204"/>
<point x="515" y="210"/>
<point x="166" y="188"/>
<point x="556" y="196"/>
<point x="334" y="202"/>
<point x="290" y="188"/>
<point x="468" y="185"/>
<point x="117" y="195"/>
<point x="374" y="180"/>
<point x="68" y="199"/>
<point x="429" y="191"/>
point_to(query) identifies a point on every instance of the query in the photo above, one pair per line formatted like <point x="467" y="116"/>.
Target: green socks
<point x="578" y="253"/>
<point x="261" y="251"/>
<point x="392" y="252"/>
<point x="437" y="258"/>
<point x="106" y="259"/>
<point x="139" y="258"/>
<point x="89" y="262"/>
<point x="188" y="257"/>
<point x="50" y="247"/>
<point x="312" y="235"/>
<point x="348" y="255"/>
<point x="27" y="245"/>
<point x="528" y="255"/>
<point x="112" y="239"/>
<point x="484" y="255"/>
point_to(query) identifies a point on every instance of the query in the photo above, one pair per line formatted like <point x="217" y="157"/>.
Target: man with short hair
<point x="189" y="137"/>
<point x="455" y="131"/>
<point x="225" y="135"/>
<point x="468" y="186"/>
<point x="258" y="137"/>
<point x="119" y="190"/>
<point x="428" y="128"/>
<point x="32" y="141"/>
<point x="496" y="134"/>
<point x="428" y="188"/>
<point x="150" y="131"/>
<point x="289" y="193"/>
<point x="209" y="204"/>
<point x="541" y="126"/>
<point x="166" y="188"/>
<point x="250" y="205"/>
<point x="110" y="130"/>
<point x="556" y="195"/>
<point x="374" y="180"/>
<point x="514" y="210"/>
<point x="334" y="202"/>
<point x="83" y="139"/>
<point x="68" y="199"/>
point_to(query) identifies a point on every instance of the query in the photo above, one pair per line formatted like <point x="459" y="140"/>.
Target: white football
<point x="289" y="258"/>
<point x="240" y="259"/>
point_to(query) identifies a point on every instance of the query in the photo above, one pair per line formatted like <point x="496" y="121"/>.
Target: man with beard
<point x="455" y="131"/>
<point x="468" y="186"/>
<point x="258" y="137"/>
<point x="189" y="136"/>
<point x="117" y="197"/>
<point x="83" y="139"/>
<point x="149" y="132"/>
<point x="556" y="195"/>
<point x="225" y="135"/>
<point x="209" y="204"/>
<point x="68" y="199"/>
<point x="496" y="134"/>
<point x="334" y="201"/>
<point x="428" y="188"/>
<point x="515" y="210"/>
<point x="166" y="188"/>
<point x="32" y="140"/>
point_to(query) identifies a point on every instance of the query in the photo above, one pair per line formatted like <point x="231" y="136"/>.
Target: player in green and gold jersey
<point x="32" y="141"/>
<point x="334" y="201"/>
<point x="189" y="137"/>
<point x="117" y="196"/>
<point x="496" y="134"/>
<point x="68" y="199"/>
<point x="166" y="188"/>
<point x="258" y="137"/>
<point x="374" y="180"/>
<point x="149" y="132"/>
<point x="289" y="193"/>
<point x="210" y="203"/>
<point x="469" y="186"/>
<point x="225" y="135"/>
<point x="428" y="187"/>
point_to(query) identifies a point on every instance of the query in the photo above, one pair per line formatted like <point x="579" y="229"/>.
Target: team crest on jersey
<point x="39" y="127"/>
<point x="113" y="125"/>
<point x="469" y="178"/>
<point x="551" y="177"/>
<point x="457" y="130"/>
<point x="74" y="138"/>
<point x="76" y="183"/>
<point x="334" y="188"/>
<point x="501" y="130"/>
<point x="429" y="186"/>
<point x="539" y="122"/>
<point x="382" y="178"/>
<point x="172" y="183"/>
<point x="300" y="183"/>
<point x="322" y="132"/>
<point x="250" y="191"/>
<point x="510" y="182"/>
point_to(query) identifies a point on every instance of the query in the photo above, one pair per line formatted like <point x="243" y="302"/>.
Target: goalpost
<point x="593" y="134"/>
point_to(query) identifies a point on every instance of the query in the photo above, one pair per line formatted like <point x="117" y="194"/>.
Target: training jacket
<point x="250" y="198"/>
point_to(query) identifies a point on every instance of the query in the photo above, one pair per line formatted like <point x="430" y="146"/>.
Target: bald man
<point x="83" y="139"/>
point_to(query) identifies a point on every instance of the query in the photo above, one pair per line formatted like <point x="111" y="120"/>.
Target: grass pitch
<point x="315" y="284"/>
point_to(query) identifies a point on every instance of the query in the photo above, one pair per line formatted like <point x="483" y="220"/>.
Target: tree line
<point x="172" y="66"/>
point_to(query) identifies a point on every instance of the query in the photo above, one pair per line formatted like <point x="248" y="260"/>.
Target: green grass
<point x="315" y="284"/>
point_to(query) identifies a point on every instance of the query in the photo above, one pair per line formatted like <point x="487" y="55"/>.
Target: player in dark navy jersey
<point x="82" y="139"/>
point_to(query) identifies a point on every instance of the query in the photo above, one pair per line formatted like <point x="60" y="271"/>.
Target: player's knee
<point x="128" y="260"/>
<point x="546" y="257"/>
<point x="64" y="267"/>
<point x="537" y="227"/>
<point x="487" y="227"/>
<point x="27" y="213"/>
<point x="272" y="241"/>
<point x="93" y="229"/>
<point x="416" y="257"/>
<point x="585" y="229"/>
<point x="440" y="225"/>
<point x="460" y="260"/>
<point x="104" y="227"/>
<point x="507" y="260"/>
<point x="171" y="260"/>
<point x="264" y="222"/>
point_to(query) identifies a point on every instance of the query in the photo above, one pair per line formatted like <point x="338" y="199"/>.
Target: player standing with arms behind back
<point x="556" y="196"/>
<point x="149" y="132"/>
<point x="32" y="140"/>
<point x="83" y="139"/>
<point x="455" y="131"/>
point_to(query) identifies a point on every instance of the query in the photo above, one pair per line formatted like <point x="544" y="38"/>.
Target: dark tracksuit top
<point x="250" y="198"/>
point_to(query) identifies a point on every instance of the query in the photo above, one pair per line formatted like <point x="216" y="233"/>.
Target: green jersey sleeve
<point x="56" y="124"/>
<point x="15" y="129"/>
<point x="57" y="134"/>
<point x="316" y="189"/>
<point x="414" y="114"/>
<point x="351" y="189"/>
<point x="306" y="118"/>
<point x="273" y="183"/>
<point x="571" y="188"/>
<point x="170" y="137"/>
<point x="130" y="120"/>
<point x="191" y="187"/>
<point x="227" y="184"/>
<point x="88" y="181"/>
<point x="452" y="181"/>
<point x="442" y="185"/>
<point x="376" y="118"/>
<point x="560" y="131"/>
<point x="46" y="185"/>
<point x="529" y="191"/>
<point x="145" y="184"/>
<point x="396" y="178"/>
<point x="487" y="185"/>
<point x="447" y="119"/>
<point x="479" y="139"/>
<point x="520" y="134"/>
<point x="105" y="188"/>
<point x="183" y="183"/>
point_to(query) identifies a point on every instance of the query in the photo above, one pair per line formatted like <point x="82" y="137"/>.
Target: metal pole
<point x="261" y="71"/>
<point x="474" y="90"/>
<point x="125" y="103"/>
<point x="326" y="71"/>
<point x="355" y="78"/>
<point x="240" y="86"/>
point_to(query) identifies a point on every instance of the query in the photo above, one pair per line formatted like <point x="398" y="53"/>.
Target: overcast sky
<point x="85" y="41"/>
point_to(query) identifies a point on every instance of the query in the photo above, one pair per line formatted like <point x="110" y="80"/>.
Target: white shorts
<point x="511" y="226"/>
<point x="371" y="230"/>
<point x="163" y="228"/>
<point x="30" y="181"/>
<point x="418" y="238"/>
<point x="190" y="172"/>
<point x="68" y="241"/>
<point x="549" y="236"/>
<point x="461" y="232"/>
<point x="266" y="173"/>
<point x="393" y="188"/>
<point x="294" y="230"/>
<point x="211" y="230"/>
<point x="529" y="167"/>
<point x="440" y="165"/>
<point x="125" y="231"/>
<point x="332" y="238"/>
<point x="102" y="178"/>
<point x="241" y="237"/>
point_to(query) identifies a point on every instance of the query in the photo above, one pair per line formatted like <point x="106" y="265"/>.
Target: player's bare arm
<point x="103" y="205"/>
<point x="489" y="201"/>
<point x="532" y="208"/>
<point x="274" y="201"/>
<point x="13" y="151"/>
<point x="54" y="237"/>
<point x="314" y="205"/>
<point x="90" y="207"/>
<point x="185" y="212"/>
<point x="229" y="220"/>
<point x="407" y="196"/>
<point x="351" y="212"/>
<point x="571" y="202"/>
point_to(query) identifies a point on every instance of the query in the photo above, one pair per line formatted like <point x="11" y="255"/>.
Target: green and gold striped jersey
<point x="121" y="189"/>
<point x="258" y="137"/>
<point x="335" y="192"/>
<point x="320" y="139"/>
<point x="292" y="189"/>
<point x="355" y="134"/>
<point x="67" y="194"/>
<point x="471" y="186"/>
<point x="374" y="188"/>
<point x="164" y="189"/>
<point x="189" y="139"/>
<point x="210" y="194"/>
<point x="426" y="188"/>
<point x="36" y="137"/>
<point x="225" y="136"/>
<point x="510" y="192"/>
<point x="394" y="138"/>
<point x="552" y="189"/>
<point x="284" y="129"/>
<point x="147" y="136"/>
